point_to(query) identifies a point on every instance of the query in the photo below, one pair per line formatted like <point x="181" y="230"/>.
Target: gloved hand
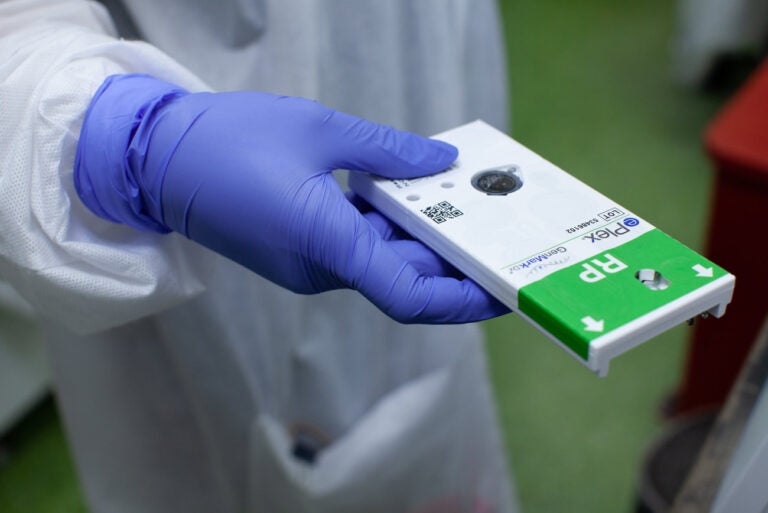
<point x="248" y="175"/>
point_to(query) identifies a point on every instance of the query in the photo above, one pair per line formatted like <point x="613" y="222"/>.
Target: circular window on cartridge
<point x="652" y="279"/>
<point x="499" y="181"/>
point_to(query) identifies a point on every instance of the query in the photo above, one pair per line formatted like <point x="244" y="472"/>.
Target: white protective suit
<point x="183" y="379"/>
<point x="709" y="29"/>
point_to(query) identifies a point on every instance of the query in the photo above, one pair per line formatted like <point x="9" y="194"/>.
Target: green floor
<point x="591" y="92"/>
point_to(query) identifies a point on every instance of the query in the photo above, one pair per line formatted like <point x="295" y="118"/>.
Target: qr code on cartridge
<point x="441" y="212"/>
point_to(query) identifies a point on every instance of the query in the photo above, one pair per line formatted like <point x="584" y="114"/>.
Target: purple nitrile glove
<point x="248" y="175"/>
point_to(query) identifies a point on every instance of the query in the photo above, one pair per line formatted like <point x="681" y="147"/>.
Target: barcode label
<point x="441" y="212"/>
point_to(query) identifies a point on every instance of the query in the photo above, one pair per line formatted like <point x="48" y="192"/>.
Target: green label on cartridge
<point x="606" y="291"/>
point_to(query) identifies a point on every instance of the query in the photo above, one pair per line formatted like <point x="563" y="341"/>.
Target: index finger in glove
<point x="395" y="286"/>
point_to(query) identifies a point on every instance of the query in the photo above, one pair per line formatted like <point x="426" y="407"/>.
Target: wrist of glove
<point x="248" y="175"/>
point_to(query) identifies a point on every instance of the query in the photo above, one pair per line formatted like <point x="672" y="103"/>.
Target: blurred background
<point x="596" y="88"/>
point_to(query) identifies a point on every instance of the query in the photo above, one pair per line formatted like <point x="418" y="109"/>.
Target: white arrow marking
<point x="703" y="272"/>
<point x="592" y="325"/>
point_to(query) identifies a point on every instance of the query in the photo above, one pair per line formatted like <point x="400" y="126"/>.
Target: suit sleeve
<point x="71" y="266"/>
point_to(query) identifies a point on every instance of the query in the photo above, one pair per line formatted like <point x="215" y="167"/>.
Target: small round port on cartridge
<point x="652" y="279"/>
<point x="498" y="182"/>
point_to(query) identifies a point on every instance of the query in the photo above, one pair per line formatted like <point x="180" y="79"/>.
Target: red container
<point x="737" y="144"/>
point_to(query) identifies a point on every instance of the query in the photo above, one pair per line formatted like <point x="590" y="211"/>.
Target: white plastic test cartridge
<point x="593" y="276"/>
